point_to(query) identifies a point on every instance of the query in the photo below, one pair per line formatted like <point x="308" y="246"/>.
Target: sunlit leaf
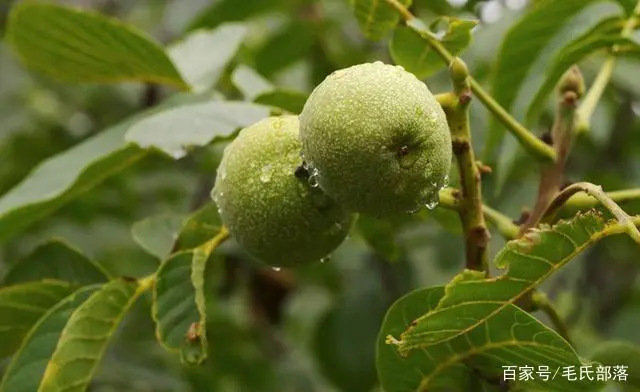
<point x="82" y="46"/>
<point x="410" y="50"/>
<point x="27" y="367"/>
<point x="376" y="17"/>
<point x="57" y="259"/>
<point x="202" y="56"/>
<point x="157" y="234"/>
<point x="198" y="125"/>
<point x="472" y="314"/>
<point x="22" y="305"/>
<point x="250" y="83"/>
<point x="85" y="337"/>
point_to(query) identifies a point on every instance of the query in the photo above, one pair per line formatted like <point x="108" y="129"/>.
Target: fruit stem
<point x="471" y="209"/>
<point x="528" y="140"/>
<point x="601" y="81"/>
<point x="450" y="199"/>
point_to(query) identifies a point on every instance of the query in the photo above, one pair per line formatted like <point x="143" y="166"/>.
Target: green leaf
<point x="618" y="353"/>
<point x="200" y="227"/>
<point x="250" y="83"/>
<point x="628" y="6"/>
<point x="156" y="234"/>
<point x="82" y="46"/>
<point x="27" y="367"/>
<point x="376" y="17"/>
<point x="61" y="178"/>
<point x="203" y="55"/>
<point x="57" y="259"/>
<point x="85" y="337"/>
<point x="574" y="53"/>
<point x="22" y="305"/>
<point x="198" y="123"/>
<point x="410" y="50"/>
<point x="524" y="42"/>
<point x="397" y="373"/>
<point x="231" y="10"/>
<point x="179" y="305"/>
<point x="259" y="90"/>
<point x="289" y="100"/>
<point x="511" y="337"/>
<point x="288" y="45"/>
<point x="474" y="306"/>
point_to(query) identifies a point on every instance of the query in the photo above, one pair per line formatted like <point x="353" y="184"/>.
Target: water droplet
<point x="445" y="182"/>
<point x="314" y="175"/>
<point x="325" y="259"/>
<point x="276" y="269"/>
<point x="266" y="173"/>
<point x="431" y="199"/>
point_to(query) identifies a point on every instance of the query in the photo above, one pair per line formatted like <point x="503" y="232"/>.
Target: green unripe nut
<point x="266" y="202"/>
<point x="378" y="139"/>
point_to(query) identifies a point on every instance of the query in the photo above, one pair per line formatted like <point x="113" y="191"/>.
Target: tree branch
<point x="470" y="209"/>
<point x="583" y="201"/>
<point x="570" y="89"/>
<point x="528" y="140"/>
<point x="450" y="199"/>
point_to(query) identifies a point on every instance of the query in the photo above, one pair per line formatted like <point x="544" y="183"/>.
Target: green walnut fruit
<point x="377" y="140"/>
<point x="266" y="202"/>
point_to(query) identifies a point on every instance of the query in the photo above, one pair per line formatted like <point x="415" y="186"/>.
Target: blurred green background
<point x="312" y="329"/>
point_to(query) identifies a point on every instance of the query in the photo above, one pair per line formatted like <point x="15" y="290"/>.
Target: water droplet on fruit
<point x="325" y="259"/>
<point x="432" y="198"/>
<point x="445" y="182"/>
<point x="276" y="269"/>
<point x="314" y="176"/>
<point x="266" y="173"/>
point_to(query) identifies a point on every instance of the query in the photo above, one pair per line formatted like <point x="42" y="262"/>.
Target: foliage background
<point x="312" y="329"/>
